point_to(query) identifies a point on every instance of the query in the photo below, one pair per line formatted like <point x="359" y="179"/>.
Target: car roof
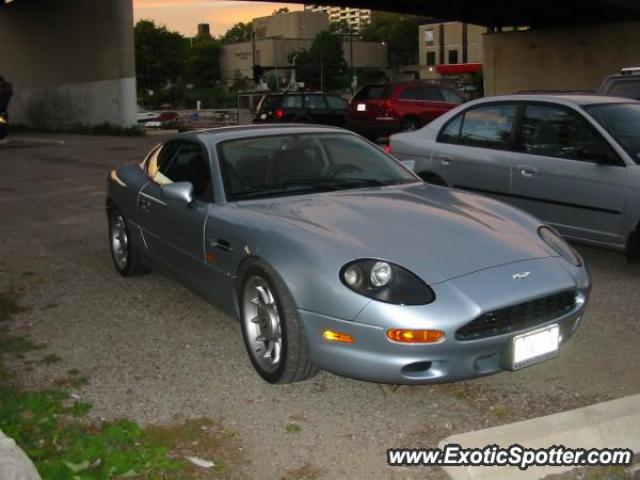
<point x="567" y="99"/>
<point x="220" y="134"/>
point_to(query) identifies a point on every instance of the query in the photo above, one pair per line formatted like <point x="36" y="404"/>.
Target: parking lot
<point x="156" y="353"/>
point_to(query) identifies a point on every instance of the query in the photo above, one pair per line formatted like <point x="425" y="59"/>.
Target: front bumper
<point x="373" y="357"/>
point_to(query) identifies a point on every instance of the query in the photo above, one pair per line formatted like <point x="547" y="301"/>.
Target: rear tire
<point x="125" y="256"/>
<point x="410" y="124"/>
<point x="273" y="333"/>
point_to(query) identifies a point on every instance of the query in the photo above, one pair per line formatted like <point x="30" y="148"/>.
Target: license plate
<point x="263" y="116"/>
<point x="362" y="107"/>
<point x="534" y="347"/>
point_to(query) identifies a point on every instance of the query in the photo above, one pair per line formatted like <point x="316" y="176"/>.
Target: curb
<point x="14" y="463"/>
<point x="613" y="424"/>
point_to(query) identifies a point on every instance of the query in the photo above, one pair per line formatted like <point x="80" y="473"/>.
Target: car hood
<point x="435" y="232"/>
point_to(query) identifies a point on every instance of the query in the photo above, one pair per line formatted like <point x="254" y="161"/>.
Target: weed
<point x="50" y="359"/>
<point x="306" y="472"/>
<point x="9" y="305"/>
<point x="500" y="411"/>
<point x="293" y="427"/>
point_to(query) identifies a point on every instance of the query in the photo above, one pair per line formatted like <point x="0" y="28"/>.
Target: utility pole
<point x="253" y="55"/>
<point x="351" y="58"/>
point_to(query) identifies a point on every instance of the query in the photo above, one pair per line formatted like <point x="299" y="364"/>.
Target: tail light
<point x="278" y="113"/>
<point x="387" y="148"/>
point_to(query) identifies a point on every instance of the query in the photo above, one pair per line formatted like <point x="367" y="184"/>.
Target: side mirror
<point x="179" y="191"/>
<point x="409" y="164"/>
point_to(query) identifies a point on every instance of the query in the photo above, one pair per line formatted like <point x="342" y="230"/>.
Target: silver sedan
<point x="335" y="256"/>
<point x="571" y="160"/>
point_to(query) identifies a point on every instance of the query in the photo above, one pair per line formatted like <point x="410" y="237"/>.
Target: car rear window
<point x="625" y="88"/>
<point x="373" y="92"/>
<point x="292" y="101"/>
<point x="268" y="102"/>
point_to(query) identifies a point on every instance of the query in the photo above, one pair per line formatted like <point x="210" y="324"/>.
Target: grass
<point x="54" y="431"/>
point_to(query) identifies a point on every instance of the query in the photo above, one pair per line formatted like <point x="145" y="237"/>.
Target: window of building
<point x="453" y="56"/>
<point x="431" y="59"/>
<point x="488" y="126"/>
<point x="428" y="37"/>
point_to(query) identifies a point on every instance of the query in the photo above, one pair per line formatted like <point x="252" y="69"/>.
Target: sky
<point x="184" y="15"/>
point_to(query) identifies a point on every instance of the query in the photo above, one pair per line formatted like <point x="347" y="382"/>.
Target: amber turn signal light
<point x="332" y="336"/>
<point x="414" y="336"/>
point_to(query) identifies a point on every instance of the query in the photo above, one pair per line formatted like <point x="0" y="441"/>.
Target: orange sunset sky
<point x="184" y="15"/>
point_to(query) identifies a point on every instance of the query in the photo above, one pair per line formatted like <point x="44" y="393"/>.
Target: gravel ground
<point x="156" y="353"/>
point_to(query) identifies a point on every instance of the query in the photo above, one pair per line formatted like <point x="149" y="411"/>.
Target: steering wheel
<point x="344" y="168"/>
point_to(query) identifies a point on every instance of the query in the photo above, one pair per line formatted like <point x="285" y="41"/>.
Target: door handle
<point x="220" y="244"/>
<point x="445" y="159"/>
<point x="527" y="172"/>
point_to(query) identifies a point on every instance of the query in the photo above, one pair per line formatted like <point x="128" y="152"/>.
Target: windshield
<point x="306" y="163"/>
<point x="622" y="121"/>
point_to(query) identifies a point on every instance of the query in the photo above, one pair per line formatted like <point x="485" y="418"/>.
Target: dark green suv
<point x="302" y="107"/>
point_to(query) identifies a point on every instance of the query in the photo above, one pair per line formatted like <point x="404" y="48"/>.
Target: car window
<point x="555" y="131"/>
<point x="422" y="93"/>
<point x="488" y="126"/>
<point x="451" y="131"/>
<point x="268" y="102"/>
<point x="292" y="101"/>
<point x="372" y="92"/>
<point x="314" y="102"/>
<point x="336" y="103"/>
<point x="451" y="97"/>
<point x="188" y="163"/>
<point x="622" y="121"/>
<point x="306" y="163"/>
<point x="625" y="88"/>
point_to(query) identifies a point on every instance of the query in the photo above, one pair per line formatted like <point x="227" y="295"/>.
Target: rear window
<point x="373" y="92"/>
<point x="625" y="88"/>
<point x="268" y="102"/>
<point x="292" y="101"/>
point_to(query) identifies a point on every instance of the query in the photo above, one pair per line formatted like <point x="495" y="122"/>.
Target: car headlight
<point x="386" y="282"/>
<point x="552" y="239"/>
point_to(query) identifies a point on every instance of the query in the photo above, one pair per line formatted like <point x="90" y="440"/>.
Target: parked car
<point x="302" y="107"/>
<point x="625" y="84"/>
<point x="335" y="256"/>
<point x="570" y="160"/>
<point x="4" y="125"/>
<point x="382" y="109"/>
<point x="154" y="119"/>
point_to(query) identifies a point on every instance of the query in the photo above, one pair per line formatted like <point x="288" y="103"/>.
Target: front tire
<point x="274" y="336"/>
<point x="126" y="258"/>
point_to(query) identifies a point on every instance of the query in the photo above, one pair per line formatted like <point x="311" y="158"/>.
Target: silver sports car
<point x="335" y="256"/>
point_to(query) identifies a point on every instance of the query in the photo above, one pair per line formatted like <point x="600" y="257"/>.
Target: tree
<point x="203" y="68"/>
<point x="325" y="58"/>
<point x="398" y="31"/>
<point x="240" y="32"/>
<point x="160" y="55"/>
<point x="280" y="10"/>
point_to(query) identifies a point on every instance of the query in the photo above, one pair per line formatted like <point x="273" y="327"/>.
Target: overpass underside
<point x="71" y="62"/>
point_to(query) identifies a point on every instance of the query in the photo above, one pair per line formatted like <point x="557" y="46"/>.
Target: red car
<point x="382" y="109"/>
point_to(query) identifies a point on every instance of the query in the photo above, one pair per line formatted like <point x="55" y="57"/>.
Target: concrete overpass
<point x="72" y="62"/>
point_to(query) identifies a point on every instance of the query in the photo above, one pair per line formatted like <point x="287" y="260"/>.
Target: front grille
<point x="518" y="317"/>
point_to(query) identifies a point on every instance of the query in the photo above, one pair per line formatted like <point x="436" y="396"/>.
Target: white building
<point x="355" y="17"/>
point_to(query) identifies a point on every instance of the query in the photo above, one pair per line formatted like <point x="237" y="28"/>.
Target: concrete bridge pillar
<point x="573" y="57"/>
<point x="71" y="62"/>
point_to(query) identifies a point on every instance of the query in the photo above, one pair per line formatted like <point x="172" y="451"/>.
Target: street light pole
<point x="351" y="58"/>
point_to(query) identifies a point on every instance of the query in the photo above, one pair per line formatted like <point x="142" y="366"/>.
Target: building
<point x="204" y="31"/>
<point x="354" y="17"/>
<point x="452" y="51"/>
<point x="277" y="36"/>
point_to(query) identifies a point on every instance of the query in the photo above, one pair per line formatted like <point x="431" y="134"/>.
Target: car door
<point x="175" y="230"/>
<point x="473" y="151"/>
<point x="338" y="107"/>
<point x="567" y="174"/>
<point x="317" y="109"/>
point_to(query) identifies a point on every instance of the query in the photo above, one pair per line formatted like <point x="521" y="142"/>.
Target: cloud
<point x="184" y="15"/>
